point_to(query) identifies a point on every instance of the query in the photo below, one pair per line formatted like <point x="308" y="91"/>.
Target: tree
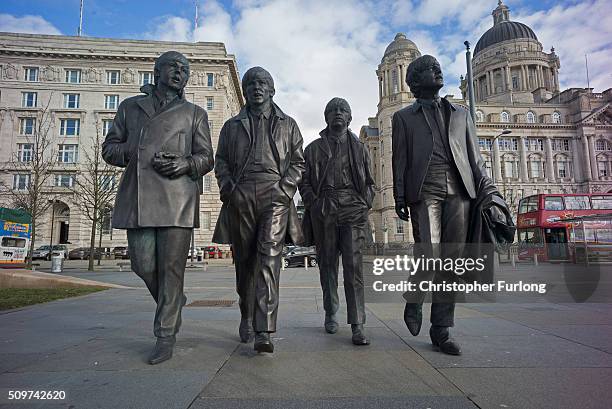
<point x="31" y="167"/>
<point x="96" y="188"/>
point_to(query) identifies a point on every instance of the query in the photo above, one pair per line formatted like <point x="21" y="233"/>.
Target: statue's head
<point x="424" y="73"/>
<point x="257" y="86"/>
<point x="338" y="113"/>
<point x="172" y="70"/>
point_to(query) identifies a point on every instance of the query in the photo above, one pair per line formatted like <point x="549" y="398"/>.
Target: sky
<point x="319" y="49"/>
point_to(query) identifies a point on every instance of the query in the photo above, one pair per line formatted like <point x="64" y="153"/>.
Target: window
<point x="602" y="202"/>
<point x="111" y="101"/>
<point x="31" y="74"/>
<point x="394" y="81"/>
<point x="21" y="181"/>
<point x="530" y="236"/>
<point x="210" y="103"/>
<point x="146" y="77"/>
<point x="562" y="169"/>
<point x="553" y="203"/>
<point x="529" y="204"/>
<point x="73" y="76"/>
<point x="489" y="167"/>
<point x="600" y="145"/>
<point x="70" y="127"/>
<point x="532" y="144"/>
<point x="113" y="77"/>
<point x="515" y="82"/>
<point x="71" y="100"/>
<point x="13" y="242"/>
<point x="107" y="217"/>
<point x="206" y="220"/>
<point x="508" y="144"/>
<point x="577" y="203"/>
<point x="560" y="144"/>
<point x="531" y="118"/>
<point x="602" y="168"/>
<point x="106" y="126"/>
<point x="504" y="117"/>
<point x="64" y="180"/>
<point x="479" y="116"/>
<point x="67" y="153"/>
<point x="510" y="169"/>
<point x="27" y="126"/>
<point x="207" y="183"/>
<point x="556" y="118"/>
<point x="535" y="168"/>
<point x="399" y="226"/>
<point x="28" y="99"/>
<point x="485" y="143"/>
<point x="24" y="152"/>
<point x="107" y="182"/>
<point x="210" y="79"/>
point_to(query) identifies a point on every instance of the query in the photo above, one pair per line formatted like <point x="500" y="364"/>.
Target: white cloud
<point x="171" y="28"/>
<point x="26" y="24"/>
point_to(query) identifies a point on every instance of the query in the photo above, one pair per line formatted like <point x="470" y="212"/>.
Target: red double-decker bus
<point x="543" y="222"/>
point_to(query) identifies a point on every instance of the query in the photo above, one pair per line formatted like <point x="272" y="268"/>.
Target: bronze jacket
<point x="413" y="145"/>
<point x="235" y="144"/>
<point x="144" y="197"/>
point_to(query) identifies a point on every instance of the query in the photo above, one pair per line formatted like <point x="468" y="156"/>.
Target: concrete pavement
<point x="95" y="347"/>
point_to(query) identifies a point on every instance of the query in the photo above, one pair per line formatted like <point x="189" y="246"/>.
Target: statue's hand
<point x="171" y="165"/>
<point x="402" y="211"/>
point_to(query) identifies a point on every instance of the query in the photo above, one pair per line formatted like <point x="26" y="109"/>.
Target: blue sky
<point x="318" y="49"/>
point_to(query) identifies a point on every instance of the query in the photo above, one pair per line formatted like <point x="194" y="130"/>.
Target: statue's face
<point x="258" y="90"/>
<point x="174" y="74"/>
<point x="432" y="77"/>
<point x="339" y="116"/>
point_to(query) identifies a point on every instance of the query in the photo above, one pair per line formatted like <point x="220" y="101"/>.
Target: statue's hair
<point x="167" y="57"/>
<point x="250" y="74"/>
<point x="414" y="70"/>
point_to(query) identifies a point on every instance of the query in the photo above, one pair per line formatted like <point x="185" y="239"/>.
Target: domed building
<point x="560" y="141"/>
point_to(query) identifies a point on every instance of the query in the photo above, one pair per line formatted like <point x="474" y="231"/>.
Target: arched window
<point x="564" y="166"/>
<point x="479" y="116"/>
<point x="531" y="118"/>
<point x="504" y="117"/>
<point x="535" y="166"/>
<point x="556" y="117"/>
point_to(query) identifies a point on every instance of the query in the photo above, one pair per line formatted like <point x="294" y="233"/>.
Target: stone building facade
<point x="77" y="83"/>
<point x="560" y="141"/>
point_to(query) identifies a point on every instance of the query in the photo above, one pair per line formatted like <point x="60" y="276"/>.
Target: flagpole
<point x="81" y="20"/>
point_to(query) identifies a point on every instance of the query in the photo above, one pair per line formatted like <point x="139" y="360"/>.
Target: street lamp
<point x="503" y="132"/>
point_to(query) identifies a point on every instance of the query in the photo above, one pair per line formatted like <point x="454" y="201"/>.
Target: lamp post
<point x="52" y="227"/>
<point x="503" y="132"/>
<point x="470" y="80"/>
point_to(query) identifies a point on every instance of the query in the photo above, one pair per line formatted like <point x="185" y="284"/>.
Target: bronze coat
<point x="144" y="197"/>
<point x="235" y="144"/>
<point x="413" y="145"/>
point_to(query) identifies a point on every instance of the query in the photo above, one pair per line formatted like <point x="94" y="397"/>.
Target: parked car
<point x="212" y="251"/>
<point x="121" y="252"/>
<point x="82" y="253"/>
<point x="42" y="253"/>
<point x="294" y="256"/>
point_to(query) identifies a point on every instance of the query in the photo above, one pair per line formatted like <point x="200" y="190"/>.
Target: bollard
<point x="535" y="259"/>
<point x="306" y="262"/>
<point x="513" y="261"/>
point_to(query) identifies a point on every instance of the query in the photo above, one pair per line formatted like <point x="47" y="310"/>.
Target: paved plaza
<point x="538" y="355"/>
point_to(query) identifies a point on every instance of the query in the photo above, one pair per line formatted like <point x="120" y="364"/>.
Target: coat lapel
<point x="146" y="104"/>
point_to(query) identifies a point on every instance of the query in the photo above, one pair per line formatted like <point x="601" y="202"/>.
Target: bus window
<point x="577" y="203"/>
<point x="530" y="236"/>
<point x="590" y="234"/>
<point x="13" y="242"/>
<point x="553" y="203"/>
<point x="604" y="236"/>
<point x="529" y="204"/>
<point x="602" y="202"/>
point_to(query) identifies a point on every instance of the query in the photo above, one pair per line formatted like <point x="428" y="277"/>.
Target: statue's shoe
<point x="246" y="331"/>
<point x="263" y="342"/>
<point x="413" y="317"/>
<point x="163" y="350"/>
<point x="331" y="325"/>
<point x="359" y="337"/>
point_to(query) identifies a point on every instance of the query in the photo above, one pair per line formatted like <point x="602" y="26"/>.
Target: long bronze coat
<point x="144" y="197"/>
<point x="235" y="144"/>
<point x="413" y="145"/>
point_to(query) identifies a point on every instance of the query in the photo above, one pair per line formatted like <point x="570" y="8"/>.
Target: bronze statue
<point x="338" y="189"/>
<point x="437" y="169"/>
<point x="259" y="163"/>
<point x="164" y="143"/>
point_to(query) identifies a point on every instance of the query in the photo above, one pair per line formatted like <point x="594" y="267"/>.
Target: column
<point x="487" y="85"/>
<point x="492" y="81"/>
<point x="523" y="161"/>
<point x="550" y="169"/>
<point x="497" y="175"/>
<point x="387" y="93"/>
<point x="524" y="78"/>
<point x="508" y="78"/>
<point x="380" y="90"/>
<point x="576" y="171"/>
<point x="587" y="160"/>
<point x="401" y="78"/>
<point x="593" y="158"/>
<point x="476" y="90"/>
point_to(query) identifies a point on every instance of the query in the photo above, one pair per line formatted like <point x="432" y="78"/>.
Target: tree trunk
<point x="32" y="238"/>
<point x="92" y="244"/>
<point x="100" y="242"/>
